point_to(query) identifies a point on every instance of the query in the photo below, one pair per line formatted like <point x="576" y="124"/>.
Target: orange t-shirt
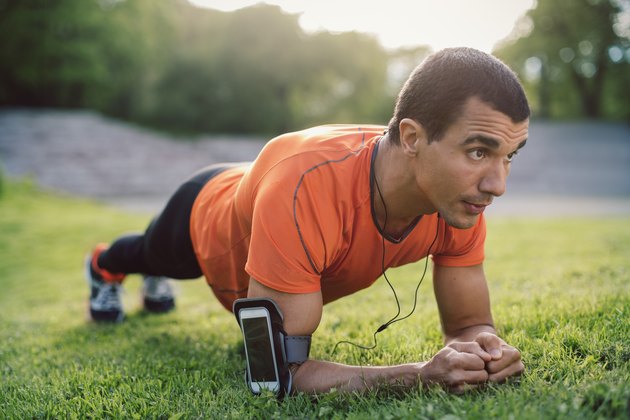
<point x="299" y="219"/>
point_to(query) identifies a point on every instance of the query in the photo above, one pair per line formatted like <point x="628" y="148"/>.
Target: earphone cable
<point x="383" y="326"/>
<point x="380" y="194"/>
<point x="383" y="273"/>
<point x="424" y="272"/>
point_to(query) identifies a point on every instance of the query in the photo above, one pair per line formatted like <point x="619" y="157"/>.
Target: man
<point x="311" y="219"/>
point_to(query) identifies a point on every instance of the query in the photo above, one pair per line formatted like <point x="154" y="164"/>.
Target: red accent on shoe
<point x="107" y="276"/>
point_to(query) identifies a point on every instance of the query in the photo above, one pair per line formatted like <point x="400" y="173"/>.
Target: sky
<point x="404" y="23"/>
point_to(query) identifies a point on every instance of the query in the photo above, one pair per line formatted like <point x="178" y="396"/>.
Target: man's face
<point x="462" y="172"/>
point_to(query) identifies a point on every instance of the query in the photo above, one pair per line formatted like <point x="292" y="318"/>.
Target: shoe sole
<point x="158" y="306"/>
<point x="99" y="318"/>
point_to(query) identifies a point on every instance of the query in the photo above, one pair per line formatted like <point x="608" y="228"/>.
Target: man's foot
<point x="157" y="294"/>
<point x="105" y="289"/>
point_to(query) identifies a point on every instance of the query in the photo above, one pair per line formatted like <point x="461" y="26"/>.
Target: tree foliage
<point x="175" y="66"/>
<point x="574" y="56"/>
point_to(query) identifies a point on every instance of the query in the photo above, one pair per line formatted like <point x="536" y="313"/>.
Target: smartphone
<point x="259" y="350"/>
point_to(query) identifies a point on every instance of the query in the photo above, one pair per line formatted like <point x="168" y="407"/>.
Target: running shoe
<point x="157" y="294"/>
<point x="105" y="289"/>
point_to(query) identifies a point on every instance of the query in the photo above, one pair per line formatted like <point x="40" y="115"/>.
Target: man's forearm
<point x="316" y="376"/>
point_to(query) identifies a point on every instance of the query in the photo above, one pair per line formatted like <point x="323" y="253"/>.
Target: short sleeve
<point x="289" y="244"/>
<point x="463" y="247"/>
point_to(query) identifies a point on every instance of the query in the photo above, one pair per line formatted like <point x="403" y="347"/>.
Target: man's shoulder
<point x="333" y="136"/>
<point x="327" y="171"/>
<point x="291" y="157"/>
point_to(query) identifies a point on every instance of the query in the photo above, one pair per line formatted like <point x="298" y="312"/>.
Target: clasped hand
<point x="461" y="366"/>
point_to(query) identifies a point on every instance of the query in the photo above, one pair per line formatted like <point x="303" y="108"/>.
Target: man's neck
<point x="399" y="203"/>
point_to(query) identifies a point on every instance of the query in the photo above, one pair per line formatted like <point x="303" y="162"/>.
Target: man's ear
<point x="412" y="133"/>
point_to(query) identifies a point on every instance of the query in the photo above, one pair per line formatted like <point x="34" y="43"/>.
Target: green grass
<point x="560" y="291"/>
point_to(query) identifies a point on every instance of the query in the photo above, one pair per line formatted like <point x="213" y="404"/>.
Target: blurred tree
<point x="575" y="54"/>
<point x="402" y="62"/>
<point x="77" y="53"/>
<point x="345" y="80"/>
<point x="186" y="93"/>
<point x="261" y="59"/>
<point x="45" y="54"/>
<point x="256" y="71"/>
<point x="174" y="66"/>
<point x="231" y="72"/>
<point x="136" y="46"/>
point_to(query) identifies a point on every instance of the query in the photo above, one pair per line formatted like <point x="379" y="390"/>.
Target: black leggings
<point x="165" y="249"/>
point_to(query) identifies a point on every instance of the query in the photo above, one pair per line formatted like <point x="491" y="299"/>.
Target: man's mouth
<point x="476" y="208"/>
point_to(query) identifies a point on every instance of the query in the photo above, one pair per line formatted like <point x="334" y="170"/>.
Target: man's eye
<point x="477" y="154"/>
<point x="510" y="157"/>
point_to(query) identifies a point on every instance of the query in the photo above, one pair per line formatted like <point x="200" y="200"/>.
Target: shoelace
<point x="108" y="297"/>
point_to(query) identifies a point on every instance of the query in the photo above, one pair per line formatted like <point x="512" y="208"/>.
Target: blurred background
<point x="121" y="99"/>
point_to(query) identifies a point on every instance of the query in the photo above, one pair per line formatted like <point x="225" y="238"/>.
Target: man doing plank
<point x="311" y="219"/>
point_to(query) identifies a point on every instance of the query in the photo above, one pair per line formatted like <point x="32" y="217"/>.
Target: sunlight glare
<point x="403" y="23"/>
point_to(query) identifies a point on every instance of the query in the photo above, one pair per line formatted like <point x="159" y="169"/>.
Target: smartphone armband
<point x="287" y="349"/>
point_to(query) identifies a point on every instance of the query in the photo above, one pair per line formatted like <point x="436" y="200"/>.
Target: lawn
<point x="560" y="289"/>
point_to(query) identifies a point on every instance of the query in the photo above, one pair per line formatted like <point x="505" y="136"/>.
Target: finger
<point x="451" y="368"/>
<point x="469" y="361"/>
<point x="463" y="377"/>
<point x="491" y="344"/>
<point x="475" y="376"/>
<point x="472" y="348"/>
<point x="513" y="370"/>
<point x="457" y="381"/>
<point x="510" y="356"/>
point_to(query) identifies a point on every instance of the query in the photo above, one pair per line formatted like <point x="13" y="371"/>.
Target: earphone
<point x="395" y="318"/>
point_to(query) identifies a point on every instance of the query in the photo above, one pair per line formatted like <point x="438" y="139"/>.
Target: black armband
<point x="268" y="348"/>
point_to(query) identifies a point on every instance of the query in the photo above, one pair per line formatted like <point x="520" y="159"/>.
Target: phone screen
<point x="258" y="343"/>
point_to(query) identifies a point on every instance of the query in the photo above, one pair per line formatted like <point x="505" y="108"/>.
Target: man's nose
<point x="494" y="180"/>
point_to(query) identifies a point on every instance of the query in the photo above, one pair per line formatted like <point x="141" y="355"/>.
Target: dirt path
<point x="567" y="168"/>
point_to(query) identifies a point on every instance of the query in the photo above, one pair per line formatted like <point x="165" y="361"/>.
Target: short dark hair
<point x="438" y="88"/>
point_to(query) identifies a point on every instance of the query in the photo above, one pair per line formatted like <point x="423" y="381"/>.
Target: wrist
<point x="408" y="375"/>
<point x="418" y="374"/>
<point x="469" y="333"/>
